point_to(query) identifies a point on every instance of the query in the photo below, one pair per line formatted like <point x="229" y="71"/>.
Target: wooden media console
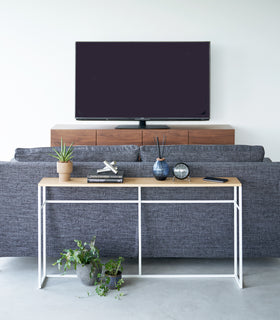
<point x="90" y="135"/>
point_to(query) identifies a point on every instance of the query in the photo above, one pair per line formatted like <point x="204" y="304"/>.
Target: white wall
<point x="37" y="59"/>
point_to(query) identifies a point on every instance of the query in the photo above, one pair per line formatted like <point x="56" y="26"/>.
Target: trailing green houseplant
<point x="114" y="267"/>
<point x="64" y="164"/>
<point x="84" y="259"/>
<point x="112" y="278"/>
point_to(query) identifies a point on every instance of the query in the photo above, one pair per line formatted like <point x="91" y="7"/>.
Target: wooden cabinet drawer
<point x="211" y="136"/>
<point x="119" y="137"/>
<point x="172" y="136"/>
<point x="77" y="137"/>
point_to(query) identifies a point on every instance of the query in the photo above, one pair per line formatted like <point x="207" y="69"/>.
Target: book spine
<point x="104" y="176"/>
<point x="102" y="180"/>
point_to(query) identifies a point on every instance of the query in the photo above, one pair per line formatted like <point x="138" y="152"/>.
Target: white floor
<point x="144" y="298"/>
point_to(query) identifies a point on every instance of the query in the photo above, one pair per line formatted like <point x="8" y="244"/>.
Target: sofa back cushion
<point x="129" y="153"/>
<point x="205" y="153"/>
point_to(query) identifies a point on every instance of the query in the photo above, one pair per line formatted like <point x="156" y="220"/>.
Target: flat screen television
<point x="142" y="81"/>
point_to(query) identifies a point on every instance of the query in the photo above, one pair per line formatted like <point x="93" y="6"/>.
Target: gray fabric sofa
<point x="168" y="230"/>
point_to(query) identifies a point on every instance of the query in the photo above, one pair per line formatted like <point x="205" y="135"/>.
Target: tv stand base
<point x="146" y="127"/>
<point x="142" y="125"/>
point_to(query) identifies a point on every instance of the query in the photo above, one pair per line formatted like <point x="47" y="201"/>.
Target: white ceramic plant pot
<point x="64" y="170"/>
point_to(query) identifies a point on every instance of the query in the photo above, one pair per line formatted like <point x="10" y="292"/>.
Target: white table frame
<point x="140" y="183"/>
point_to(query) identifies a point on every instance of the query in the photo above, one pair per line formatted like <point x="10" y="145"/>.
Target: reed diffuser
<point x="160" y="167"/>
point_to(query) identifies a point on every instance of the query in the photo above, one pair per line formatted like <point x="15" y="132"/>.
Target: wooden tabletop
<point x="141" y="182"/>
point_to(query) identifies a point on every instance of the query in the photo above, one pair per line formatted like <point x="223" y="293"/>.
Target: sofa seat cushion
<point x="124" y="153"/>
<point x="205" y="153"/>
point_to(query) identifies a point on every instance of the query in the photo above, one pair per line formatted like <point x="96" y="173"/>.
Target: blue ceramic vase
<point x="113" y="280"/>
<point x="160" y="169"/>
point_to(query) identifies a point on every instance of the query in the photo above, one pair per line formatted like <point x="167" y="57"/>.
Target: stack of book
<point x="103" y="177"/>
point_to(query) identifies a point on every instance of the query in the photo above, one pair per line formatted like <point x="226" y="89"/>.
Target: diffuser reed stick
<point x="163" y="145"/>
<point x="160" y="148"/>
<point x="159" y="154"/>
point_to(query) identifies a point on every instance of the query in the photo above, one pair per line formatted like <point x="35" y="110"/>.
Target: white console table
<point x="140" y="183"/>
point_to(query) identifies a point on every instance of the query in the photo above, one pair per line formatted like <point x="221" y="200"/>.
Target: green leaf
<point x="54" y="156"/>
<point x="63" y="155"/>
<point x="79" y="243"/>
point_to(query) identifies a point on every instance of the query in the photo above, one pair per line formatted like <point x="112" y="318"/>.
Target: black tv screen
<point x="142" y="80"/>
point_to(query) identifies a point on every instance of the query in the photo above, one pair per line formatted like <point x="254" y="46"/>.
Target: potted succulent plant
<point x="64" y="165"/>
<point x="112" y="278"/>
<point x="85" y="260"/>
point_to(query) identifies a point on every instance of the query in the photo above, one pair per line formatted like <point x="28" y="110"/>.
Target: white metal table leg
<point x="139" y="233"/>
<point x="44" y="234"/>
<point x="39" y="239"/>
<point x="235" y="231"/>
<point x="240" y="240"/>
